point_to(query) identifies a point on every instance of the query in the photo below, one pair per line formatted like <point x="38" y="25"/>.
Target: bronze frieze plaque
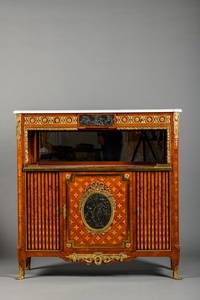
<point x="96" y="120"/>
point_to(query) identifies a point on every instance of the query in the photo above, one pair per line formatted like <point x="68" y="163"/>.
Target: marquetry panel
<point x="153" y="214"/>
<point x="140" y="120"/>
<point x="55" y="120"/>
<point x="117" y="233"/>
<point x="42" y="210"/>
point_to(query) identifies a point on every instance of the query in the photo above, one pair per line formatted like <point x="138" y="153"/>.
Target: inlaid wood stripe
<point x="149" y="208"/>
<point x="167" y="208"/>
<point x="50" y="212"/>
<point x="141" y="211"/>
<point x="32" y="213"/>
<point x="152" y="212"/>
<point x="163" y="209"/>
<point x="57" y="212"/>
<point x="42" y="202"/>
<point x="47" y="209"/>
<point x="39" y="213"/>
<point x="160" y="201"/>
<point x="54" y="212"/>
<point x="28" y="184"/>
<point x="43" y="211"/>
<point x="36" y="210"/>
<point x="152" y="198"/>
<point x="156" y="210"/>
<point x="138" y="208"/>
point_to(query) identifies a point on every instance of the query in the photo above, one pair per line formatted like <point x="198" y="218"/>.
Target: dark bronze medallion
<point x="97" y="211"/>
<point x="97" y="120"/>
<point x="97" y="207"/>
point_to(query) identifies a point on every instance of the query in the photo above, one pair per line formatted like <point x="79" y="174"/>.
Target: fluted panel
<point x="42" y="195"/>
<point x="152" y="196"/>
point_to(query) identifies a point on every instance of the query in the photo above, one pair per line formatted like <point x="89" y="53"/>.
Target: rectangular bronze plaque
<point x="97" y="120"/>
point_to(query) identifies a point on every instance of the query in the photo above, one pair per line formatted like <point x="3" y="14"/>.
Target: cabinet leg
<point x="21" y="274"/>
<point x="175" y="268"/>
<point x="22" y="264"/>
<point x="176" y="275"/>
<point x="28" y="263"/>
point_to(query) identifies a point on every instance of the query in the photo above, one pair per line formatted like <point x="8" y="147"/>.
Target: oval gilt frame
<point x="100" y="188"/>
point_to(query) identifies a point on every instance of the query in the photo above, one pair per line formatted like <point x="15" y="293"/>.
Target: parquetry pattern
<point x="77" y="231"/>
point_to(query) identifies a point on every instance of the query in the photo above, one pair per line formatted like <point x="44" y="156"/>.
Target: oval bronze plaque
<point x="97" y="211"/>
<point x="97" y="206"/>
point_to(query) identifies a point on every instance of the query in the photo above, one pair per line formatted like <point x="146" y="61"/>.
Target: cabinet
<point x="97" y="186"/>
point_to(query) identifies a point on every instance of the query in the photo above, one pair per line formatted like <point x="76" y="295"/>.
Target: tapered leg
<point x="28" y="263"/>
<point x="22" y="265"/>
<point x="175" y="268"/>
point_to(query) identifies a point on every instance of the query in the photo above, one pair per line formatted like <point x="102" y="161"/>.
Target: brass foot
<point x="176" y="275"/>
<point x="21" y="274"/>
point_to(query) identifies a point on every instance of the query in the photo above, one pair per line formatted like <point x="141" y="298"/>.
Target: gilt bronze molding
<point x="97" y="258"/>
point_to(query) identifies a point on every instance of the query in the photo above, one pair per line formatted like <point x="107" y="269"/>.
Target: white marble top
<point x="95" y="111"/>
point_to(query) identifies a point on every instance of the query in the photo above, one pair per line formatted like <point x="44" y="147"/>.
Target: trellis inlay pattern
<point x="77" y="233"/>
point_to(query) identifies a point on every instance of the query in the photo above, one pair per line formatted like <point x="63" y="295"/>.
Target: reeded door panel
<point x="42" y="211"/>
<point x="153" y="210"/>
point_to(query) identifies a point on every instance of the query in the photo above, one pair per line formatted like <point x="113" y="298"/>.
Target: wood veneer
<point x="150" y="217"/>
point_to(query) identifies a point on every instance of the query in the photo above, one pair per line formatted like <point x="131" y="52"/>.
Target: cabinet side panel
<point x="153" y="230"/>
<point x="42" y="211"/>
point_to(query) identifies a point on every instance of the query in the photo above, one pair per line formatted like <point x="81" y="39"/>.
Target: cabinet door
<point x="98" y="210"/>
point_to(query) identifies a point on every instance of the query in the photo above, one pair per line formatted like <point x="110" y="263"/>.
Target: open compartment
<point x="98" y="146"/>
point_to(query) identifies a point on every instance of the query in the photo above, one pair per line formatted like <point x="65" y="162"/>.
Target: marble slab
<point x="95" y="111"/>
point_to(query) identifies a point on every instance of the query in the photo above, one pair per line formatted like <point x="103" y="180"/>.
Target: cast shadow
<point x="135" y="267"/>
